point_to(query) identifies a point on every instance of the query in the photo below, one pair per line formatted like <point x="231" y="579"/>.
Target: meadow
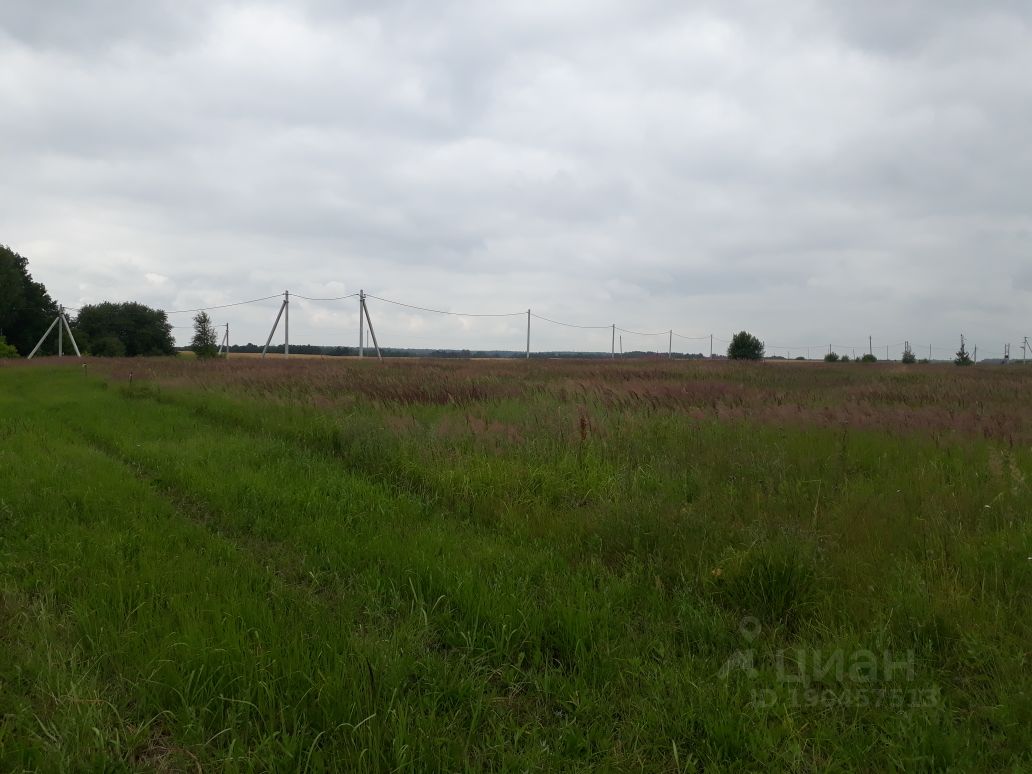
<point x="656" y="566"/>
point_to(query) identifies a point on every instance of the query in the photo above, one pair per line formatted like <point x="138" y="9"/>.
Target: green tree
<point x="26" y="310"/>
<point x="963" y="358"/>
<point x="831" y="357"/>
<point x="140" y="329"/>
<point x="908" y="354"/>
<point x="745" y="346"/>
<point x="7" y="350"/>
<point x="868" y="358"/>
<point x="204" y="341"/>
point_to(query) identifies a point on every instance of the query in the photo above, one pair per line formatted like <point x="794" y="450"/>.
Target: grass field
<point x="341" y="565"/>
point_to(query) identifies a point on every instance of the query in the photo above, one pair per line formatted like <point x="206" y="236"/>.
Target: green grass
<point x="247" y="575"/>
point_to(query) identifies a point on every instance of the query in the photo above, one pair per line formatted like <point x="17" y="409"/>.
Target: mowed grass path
<point x="206" y="579"/>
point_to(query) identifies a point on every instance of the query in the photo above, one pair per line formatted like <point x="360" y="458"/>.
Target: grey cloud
<point x="814" y="169"/>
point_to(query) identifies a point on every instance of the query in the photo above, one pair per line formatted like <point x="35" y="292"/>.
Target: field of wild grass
<point x="445" y="565"/>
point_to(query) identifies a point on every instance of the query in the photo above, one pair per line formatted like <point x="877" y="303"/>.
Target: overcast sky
<point x="815" y="172"/>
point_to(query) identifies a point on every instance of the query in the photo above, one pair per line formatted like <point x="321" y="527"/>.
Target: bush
<point x="7" y="350"/>
<point x="108" y="346"/>
<point x="868" y="358"/>
<point x="845" y="358"/>
<point x="745" y="346"/>
<point x="832" y="357"/>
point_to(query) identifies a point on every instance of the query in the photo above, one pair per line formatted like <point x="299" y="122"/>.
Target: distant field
<point x="450" y="565"/>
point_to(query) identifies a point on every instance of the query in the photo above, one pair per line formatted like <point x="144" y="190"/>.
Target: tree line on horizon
<point x="131" y="329"/>
<point x="107" y="329"/>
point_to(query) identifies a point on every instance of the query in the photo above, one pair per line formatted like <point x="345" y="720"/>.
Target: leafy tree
<point x="7" y="350"/>
<point x="845" y="358"/>
<point x="831" y="357"/>
<point x="908" y="354"/>
<point x="138" y="328"/>
<point x="868" y="358"/>
<point x="26" y="310"/>
<point x="745" y="346"/>
<point x="204" y="342"/>
<point x="963" y="358"/>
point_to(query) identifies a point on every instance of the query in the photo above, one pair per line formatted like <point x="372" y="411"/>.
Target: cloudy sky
<point x="816" y="172"/>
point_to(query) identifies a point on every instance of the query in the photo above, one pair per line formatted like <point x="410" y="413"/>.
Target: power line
<point x="441" y="311"/>
<point x="571" y="325"/>
<point x="223" y="306"/>
<point x="336" y="298"/>
<point x="639" y="333"/>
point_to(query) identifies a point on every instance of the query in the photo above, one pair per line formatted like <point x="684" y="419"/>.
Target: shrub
<point x="832" y="357"/>
<point x="108" y="346"/>
<point x="7" y="350"/>
<point x="868" y="358"/>
<point x="745" y="346"/>
<point x="845" y="358"/>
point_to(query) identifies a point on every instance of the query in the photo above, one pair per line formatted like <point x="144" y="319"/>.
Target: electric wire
<point x="571" y="325"/>
<point x="223" y="306"/>
<point x="335" y="298"/>
<point x="640" y="333"/>
<point x="442" y="311"/>
<point x="915" y="347"/>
